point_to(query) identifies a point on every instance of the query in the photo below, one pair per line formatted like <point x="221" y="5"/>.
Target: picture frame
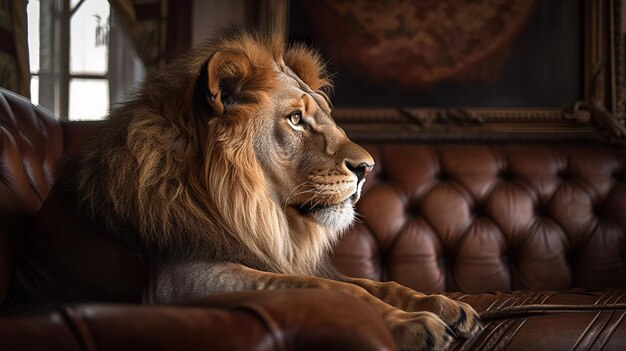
<point x="597" y="115"/>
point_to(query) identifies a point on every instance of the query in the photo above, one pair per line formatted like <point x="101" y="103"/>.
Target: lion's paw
<point x="459" y="316"/>
<point x="420" y="331"/>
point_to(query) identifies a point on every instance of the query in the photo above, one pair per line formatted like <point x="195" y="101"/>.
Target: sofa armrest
<point x="260" y="320"/>
<point x="311" y="319"/>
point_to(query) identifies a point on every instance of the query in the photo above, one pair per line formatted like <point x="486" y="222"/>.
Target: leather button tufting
<point x="479" y="211"/>
<point x="381" y="177"/>
<point x="542" y="210"/>
<point x="619" y="176"/>
<point x="505" y="175"/>
<point x="497" y="213"/>
<point x="564" y="175"/>
<point x="443" y="176"/>
<point x="598" y="210"/>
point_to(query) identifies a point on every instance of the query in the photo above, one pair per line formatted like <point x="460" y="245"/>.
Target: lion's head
<point x="311" y="167"/>
<point x="233" y="151"/>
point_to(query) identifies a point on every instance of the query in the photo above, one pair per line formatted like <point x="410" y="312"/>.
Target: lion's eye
<point x="295" y="121"/>
<point x="295" y="118"/>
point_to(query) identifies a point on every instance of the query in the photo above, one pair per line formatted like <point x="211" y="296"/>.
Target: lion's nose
<point x="361" y="170"/>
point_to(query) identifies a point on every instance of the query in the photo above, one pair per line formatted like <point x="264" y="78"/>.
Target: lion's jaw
<point x="334" y="217"/>
<point x="335" y="214"/>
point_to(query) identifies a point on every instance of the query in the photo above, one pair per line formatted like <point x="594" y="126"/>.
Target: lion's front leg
<point x="459" y="316"/>
<point x="183" y="283"/>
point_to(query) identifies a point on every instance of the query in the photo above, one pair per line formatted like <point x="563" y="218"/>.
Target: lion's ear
<point x="233" y="79"/>
<point x="224" y="70"/>
<point x="309" y="66"/>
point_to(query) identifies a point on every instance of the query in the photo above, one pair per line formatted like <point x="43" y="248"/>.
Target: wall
<point x="210" y="15"/>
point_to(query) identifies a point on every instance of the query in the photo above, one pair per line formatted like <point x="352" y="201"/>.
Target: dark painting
<point x="447" y="53"/>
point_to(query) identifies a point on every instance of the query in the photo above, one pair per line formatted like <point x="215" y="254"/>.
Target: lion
<point x="224" y="172"/>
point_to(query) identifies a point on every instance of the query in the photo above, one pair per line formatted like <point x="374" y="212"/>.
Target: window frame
<point x="54" y="82"/>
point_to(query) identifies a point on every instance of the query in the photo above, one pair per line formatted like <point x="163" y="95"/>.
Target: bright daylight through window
<point x="70" y="56"/>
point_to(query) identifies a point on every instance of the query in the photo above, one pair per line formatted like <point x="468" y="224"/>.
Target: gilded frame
<point x="599" y="116"/>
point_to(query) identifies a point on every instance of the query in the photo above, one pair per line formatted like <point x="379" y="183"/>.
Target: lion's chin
<point x="336" y="218"/>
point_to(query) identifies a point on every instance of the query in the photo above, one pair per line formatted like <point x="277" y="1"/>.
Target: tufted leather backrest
<point x="484" y="217"/>
<point x="31" y="142"/>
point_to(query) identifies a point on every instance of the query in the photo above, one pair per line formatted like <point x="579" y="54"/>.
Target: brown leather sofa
<point x="532" y="235"/>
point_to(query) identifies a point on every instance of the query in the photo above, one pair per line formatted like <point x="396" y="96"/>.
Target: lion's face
<point x="275" y="98"/>
<point x="316" y="171"/>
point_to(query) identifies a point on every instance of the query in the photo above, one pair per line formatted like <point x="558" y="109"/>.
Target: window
<point x="72" y="44"/>
<point x="33" y="10"/>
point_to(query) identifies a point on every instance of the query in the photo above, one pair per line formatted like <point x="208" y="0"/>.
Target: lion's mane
<point x="170" y="178"/>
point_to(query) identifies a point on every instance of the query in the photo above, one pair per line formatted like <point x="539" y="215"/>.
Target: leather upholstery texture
<point x="31" y="143"/>
<point x="491" y="217"/>
<point x="260" y="320"/>
<point x="577" y="319"/>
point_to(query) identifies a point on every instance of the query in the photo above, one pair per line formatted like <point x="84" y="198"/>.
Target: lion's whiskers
<point x="293" y="194"/>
